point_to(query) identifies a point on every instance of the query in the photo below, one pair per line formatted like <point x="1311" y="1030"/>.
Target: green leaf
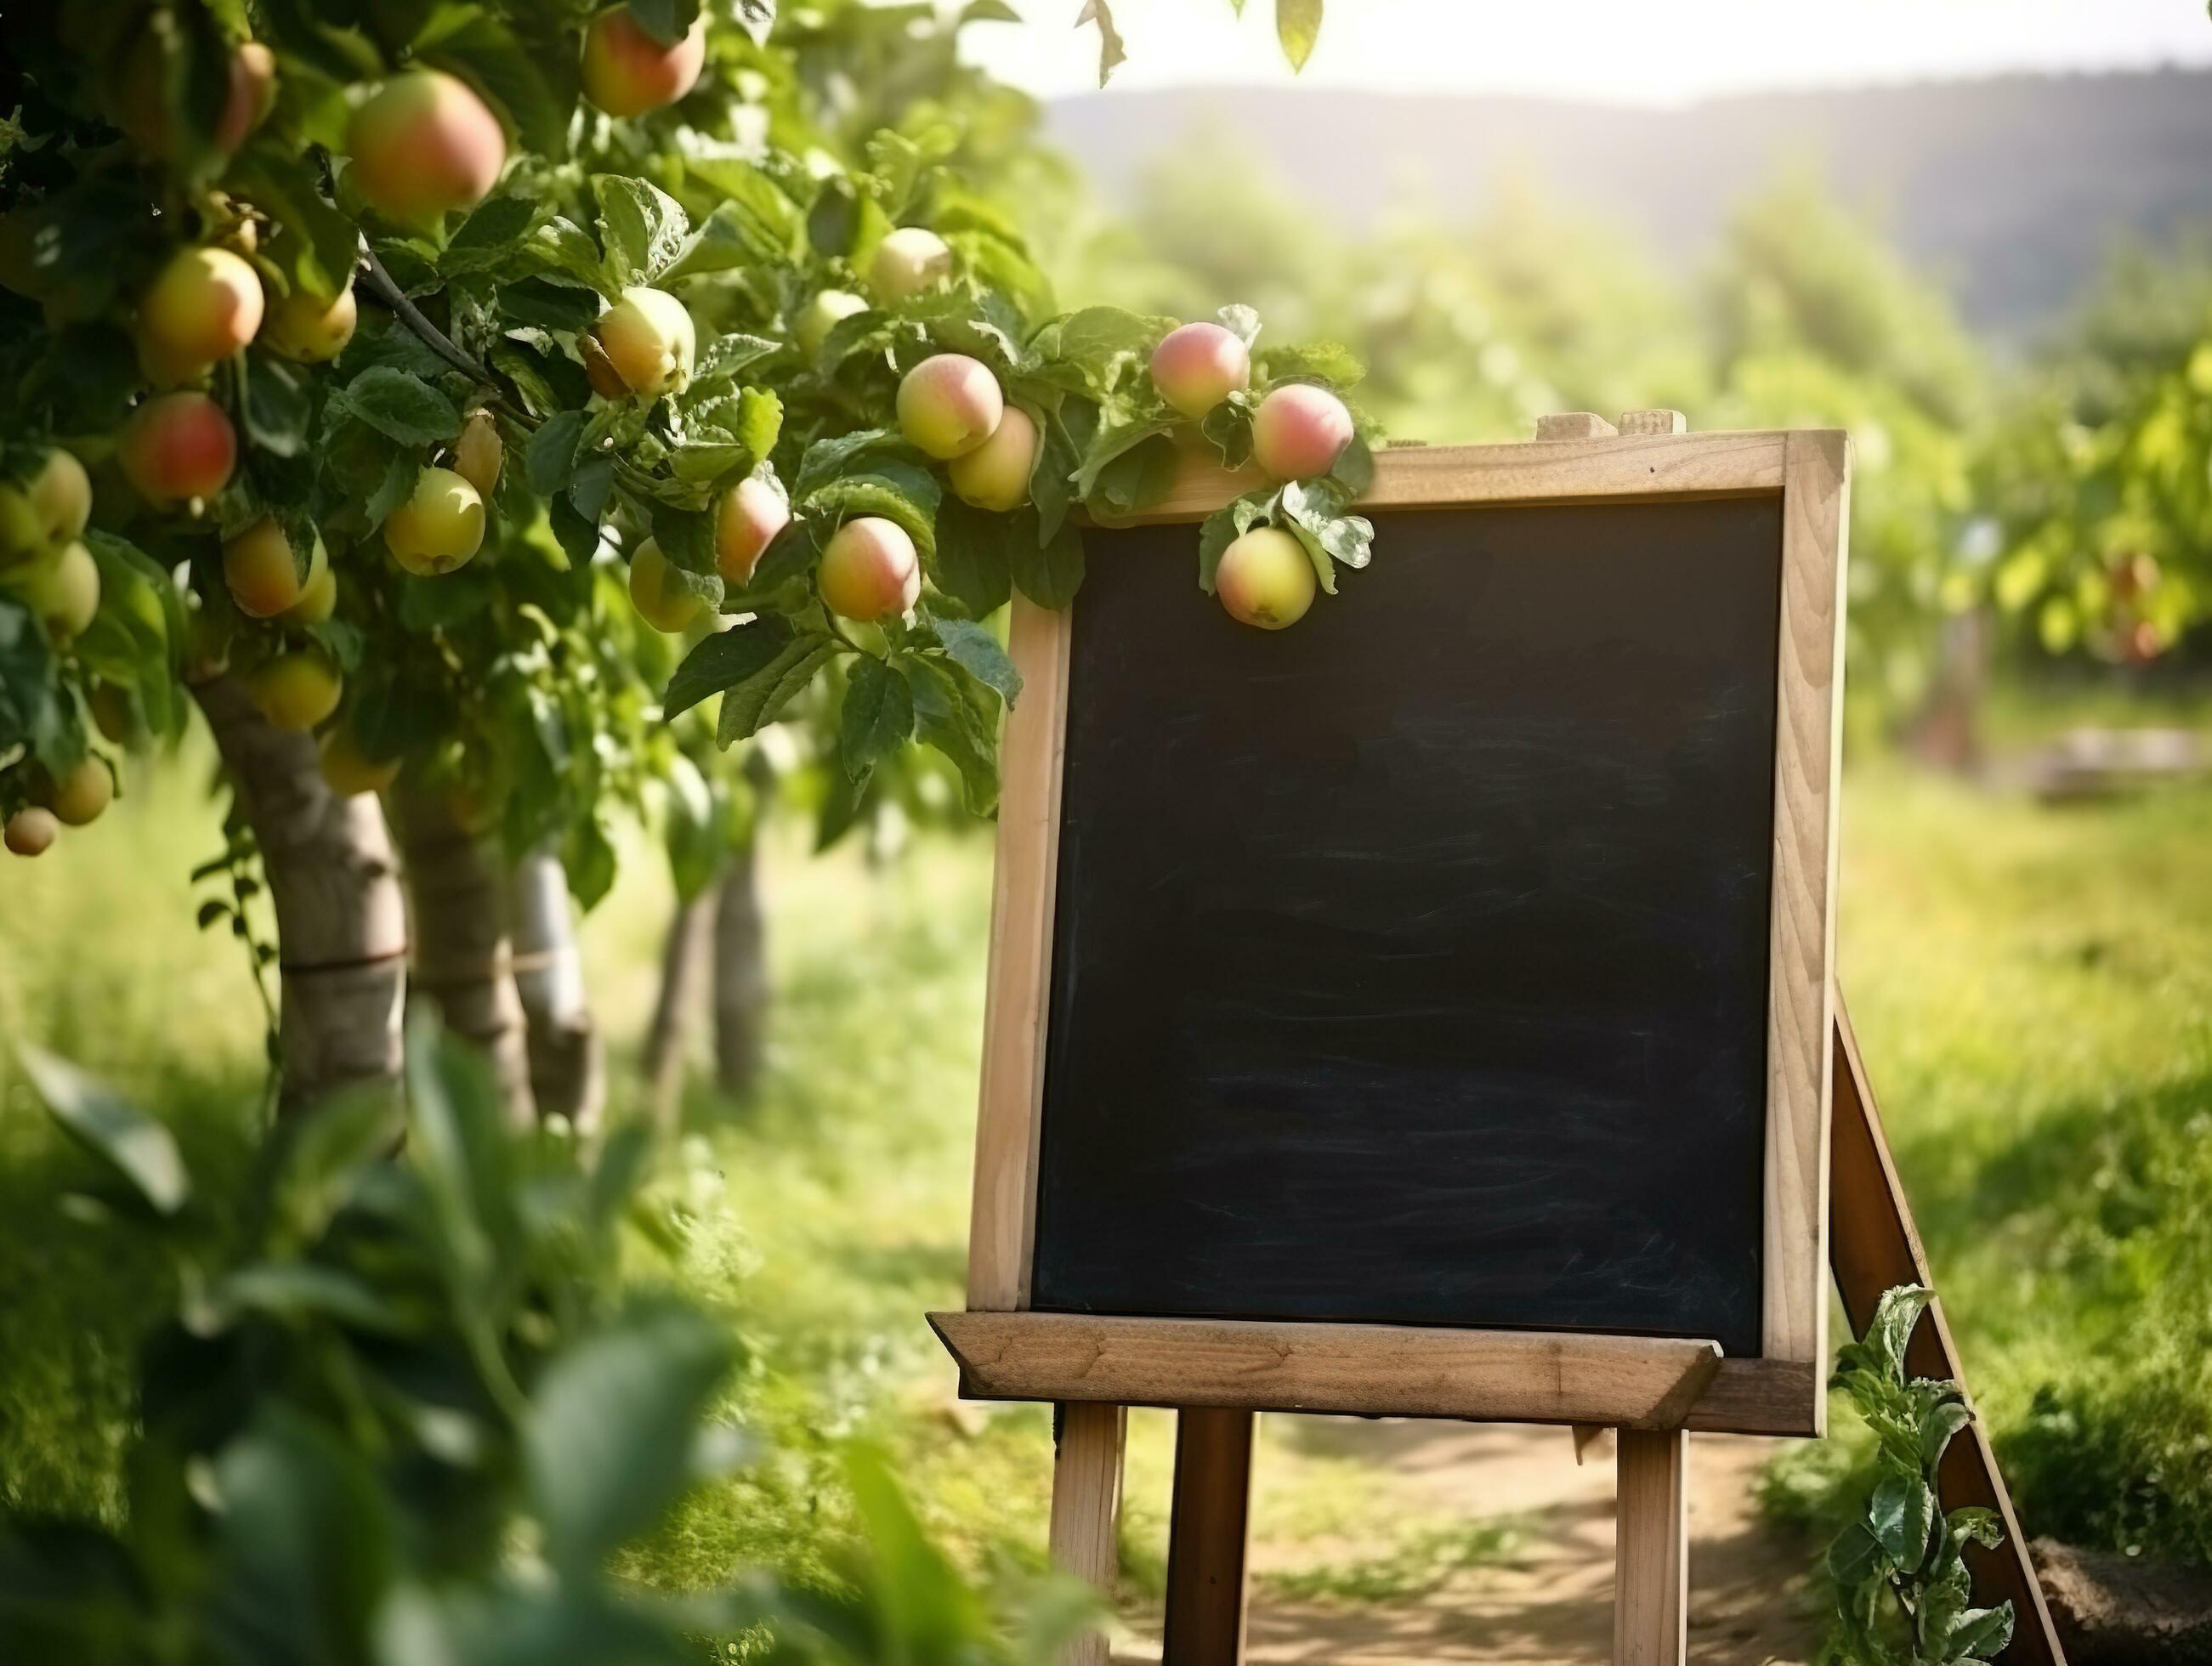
<point x="878" y="718"/>
<point x="551" y="461"/>
<point x="1900" y="1515"/>
<point x="401" y="407"/>
<point x="136" y="1146"/>
<point x="724" y="659"/>
<point x="493" y="231"/>
<point x="642" y="227"/>
<point x="307" y="1533"/>
<point x="971" y="566"/>
<point x="1111" y="442"/>
<point x="1111" y="51"/>
<point x="833" y="223"/>
<point x="686" y="537"/>
<point x="949" y="721"/>
<point x="1855" y="1555"/>
<point x="665" y="21"/>
<point x="1980" y="1633"/>
<point x="1312" y="362"/>
<point x="1141" y="477"/>
<point x="825" y="460"/>
<point x="1297" y="25"/>
<point x="1937" y="1425"/>
<point x="1050" y="575"/>
<point x="1215" y="535"/>
<point x="755" y="702"/>
<point x="1102" y="340"/>
<point x="1241" y="321"/>
<point x="608" y="1441"/>
<point x="977" y="651"/>
<point x="1977" y="1524"/>
<point x="276" y="408"/>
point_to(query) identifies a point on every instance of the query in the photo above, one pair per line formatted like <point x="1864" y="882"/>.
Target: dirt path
<point x="1549" y="1599"/>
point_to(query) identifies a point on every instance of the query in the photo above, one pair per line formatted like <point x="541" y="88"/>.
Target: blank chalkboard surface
<point x="1411" y="965"/>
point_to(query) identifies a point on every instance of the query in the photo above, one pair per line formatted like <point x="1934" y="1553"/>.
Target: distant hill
<point x="2010" y="190"/>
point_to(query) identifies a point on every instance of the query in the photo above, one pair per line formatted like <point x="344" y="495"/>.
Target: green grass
<point x="2033" y="986"/>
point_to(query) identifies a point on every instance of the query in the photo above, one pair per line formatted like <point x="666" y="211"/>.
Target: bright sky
<point x="1642" y="51"/>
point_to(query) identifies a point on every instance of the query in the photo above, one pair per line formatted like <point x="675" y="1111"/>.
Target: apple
<point x="1198" y="366"/>
<point x="1300" y="431"/>
<point x="746" y="521"/>
<point x="347" y="769"/>
<point x="949" y="404"/>
<point x="252" y="94"/>
<point x="478" y="454"/>
<point x="910" y="259"/>
<point x="177" y="447"/>
<point x="23" y="530"/>
<point x="1265" y="578"/>
<point x="263" y="571"/>
<point x="649" y="339"/>
<point x="995" y="475"/>
<point x="319" y="597"/>
<point x="870" y="568"/>
<point x="438" y="527"/>
<point x="296" y="690"/>
<point x="79" y="797"/>
<point x="65" y="591"/>
<point x="31" y="831"/>
<point x="661" y="599"/>
<point x="627" y="72"/>
<point x="310" y="331"/>
<point x="423" y="145"/>
<point x="822" y="315"/>
<point x="60" y="496"/>
<point x="202" y="307"/>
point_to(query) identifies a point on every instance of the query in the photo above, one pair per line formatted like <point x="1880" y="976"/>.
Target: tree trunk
<point x="463" y="961"/>
<point x="684" y="959"/>
<point x="740" y="971"/>
<point x="568" y="1058"/>
<point x="341" y="920"/>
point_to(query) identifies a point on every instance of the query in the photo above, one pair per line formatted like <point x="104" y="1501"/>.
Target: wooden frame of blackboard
<point x="1007" y="1351"/>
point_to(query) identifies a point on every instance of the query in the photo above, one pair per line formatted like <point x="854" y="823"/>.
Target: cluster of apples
<point x="44" y="563"/>
<point x="1298" y="433"/>
<point x="71" y="799"/>
<point x="870" y="567"/>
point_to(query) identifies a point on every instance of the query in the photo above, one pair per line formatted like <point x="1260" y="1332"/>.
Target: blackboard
<point x="1411" y="965"/>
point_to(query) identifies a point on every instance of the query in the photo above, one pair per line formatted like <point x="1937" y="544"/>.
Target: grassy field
<point x="2033" y="986"/>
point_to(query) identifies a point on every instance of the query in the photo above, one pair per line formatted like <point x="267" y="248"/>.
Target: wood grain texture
<point x="1574" y="425"/>
<point x="1721" y="464"/>
<point x="1086" y="1508"/>
<point x="1760" y="1397"/>
<point x="1402" y="1370"/>
<point x="1651" y="1550"/>
<point x="1874" y="1248"/>
<point x="1001" y="1214"/>
<point x="1208" y="1534"/>
<point x="1654" y="422"/>
<point x="1808" y="753"/>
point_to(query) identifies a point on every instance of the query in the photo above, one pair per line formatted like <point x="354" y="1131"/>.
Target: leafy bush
<point x="1902" y="1591"/>
<point x="409" y="1413"/>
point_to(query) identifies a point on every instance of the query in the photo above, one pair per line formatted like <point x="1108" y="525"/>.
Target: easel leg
<point x="1086" y="1506"/>
<point x="1651" y="1557"/>
<point x="1207" y="1538"/>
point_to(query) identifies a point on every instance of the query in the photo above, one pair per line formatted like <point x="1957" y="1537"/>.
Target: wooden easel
<point x="1873" y="1247"/>
<point x="1653" y="1391"/>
